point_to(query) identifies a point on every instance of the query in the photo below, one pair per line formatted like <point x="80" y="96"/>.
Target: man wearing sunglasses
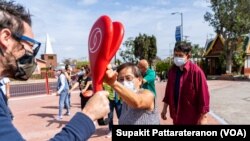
<point x="17" y="60"/>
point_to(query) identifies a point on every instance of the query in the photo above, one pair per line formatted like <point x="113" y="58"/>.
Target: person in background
<point x="81" y="72"/>
<point x="115" y="102"/>
<point x="62" y="91"/>
<point x="149" y="75"/>
<point x="68" y="71"/>
<point x="138" y="105"/>
<point x="86" y="90"/>
<point x="84" y="84"/>
<point x="186" y="92"/>
<point x="5" y="88"/>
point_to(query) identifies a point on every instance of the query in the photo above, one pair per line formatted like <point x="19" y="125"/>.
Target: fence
<point x="32" y="87"/>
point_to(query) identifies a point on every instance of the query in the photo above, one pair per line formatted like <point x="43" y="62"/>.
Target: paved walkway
<point x="34" y="116"/>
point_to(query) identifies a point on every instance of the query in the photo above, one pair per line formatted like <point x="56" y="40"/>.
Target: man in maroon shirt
<point x="186" y="92"/>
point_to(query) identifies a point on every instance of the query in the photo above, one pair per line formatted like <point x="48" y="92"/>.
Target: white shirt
<point x="3" y="82"/>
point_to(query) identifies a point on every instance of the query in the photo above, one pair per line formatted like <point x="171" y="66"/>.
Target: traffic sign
<point x="178" y="33"/>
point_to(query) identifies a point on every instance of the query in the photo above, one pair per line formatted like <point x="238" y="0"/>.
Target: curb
<point x="218" y="118"/>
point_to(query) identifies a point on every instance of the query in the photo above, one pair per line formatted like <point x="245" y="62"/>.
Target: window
<point x="50" y="57"/>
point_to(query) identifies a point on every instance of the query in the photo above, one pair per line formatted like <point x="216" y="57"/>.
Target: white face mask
<point x="82" y="72"/>
<point x="179" y="61"/>
<point x="129" y="84"/>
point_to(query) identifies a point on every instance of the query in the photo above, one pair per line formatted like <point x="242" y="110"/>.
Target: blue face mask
<point x="179" y="61"/>
<point x="129" y="84"/>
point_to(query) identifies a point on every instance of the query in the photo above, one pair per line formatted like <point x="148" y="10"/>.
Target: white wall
<point x="247" y="62"/>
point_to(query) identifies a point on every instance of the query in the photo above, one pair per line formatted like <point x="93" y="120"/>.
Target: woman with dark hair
<point x="138" y="104"/>
<point x="85" y="85"/>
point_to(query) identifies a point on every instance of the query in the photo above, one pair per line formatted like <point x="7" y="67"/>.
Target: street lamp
<point x="181" y="22"/>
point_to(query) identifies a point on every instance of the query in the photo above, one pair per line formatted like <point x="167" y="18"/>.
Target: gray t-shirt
<point x="132" y="116"/>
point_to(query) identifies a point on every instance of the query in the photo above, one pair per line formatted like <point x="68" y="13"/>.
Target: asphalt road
<point x="231" y="101"/>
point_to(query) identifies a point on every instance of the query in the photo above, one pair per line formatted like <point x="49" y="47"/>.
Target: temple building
<point x="213" y="52"/>
<point x="214" y="48"/>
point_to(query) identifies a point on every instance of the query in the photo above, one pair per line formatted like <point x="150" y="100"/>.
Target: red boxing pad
<point x="100" y="39"/>
<point x="102" y="46"/>
<point x="118" y="33"/>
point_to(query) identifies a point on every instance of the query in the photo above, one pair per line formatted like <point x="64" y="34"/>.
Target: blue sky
<point x="68" y="22"/>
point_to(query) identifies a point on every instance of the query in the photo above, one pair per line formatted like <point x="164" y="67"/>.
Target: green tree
<point x="145" y="47"/>
<point x="67" y="61"/>
<point x="239" y="57"/>
<point x="231" y="19"/>
<point x="142" y="47"/>
<point x="127" y="52"/>
<point x="79" y="64"/>
<point x="197" y="52"/>
<point x="162" y="68"/>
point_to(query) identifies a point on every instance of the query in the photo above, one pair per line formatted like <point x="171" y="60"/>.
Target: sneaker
<point x="67" y="113"/>
<point x="109" y="135"/>
<point x="59" y="118"/>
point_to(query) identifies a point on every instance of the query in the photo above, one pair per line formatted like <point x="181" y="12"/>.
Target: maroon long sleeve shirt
<point x="193" y="94"/>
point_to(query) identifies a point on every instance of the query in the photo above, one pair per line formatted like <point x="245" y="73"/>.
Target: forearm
<point x="68" y="77"/>
<point x="127" y="95"/>
<point x="165" y="106"/>
<point x="87" y="85"/>
<point x="80" y="127"/>
<point x="7" y="130"/>
<point x="74" y="86"/>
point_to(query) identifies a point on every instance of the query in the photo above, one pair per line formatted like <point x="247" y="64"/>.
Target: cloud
<point x="162" y="2"/>
<point x="88" y="2"/>
<point x="201" y="3"/>
<point x="68" y="28"/>
<point x="68" y="23"/>
<point x="117" y="3"/>
<point x="159" y="22"/>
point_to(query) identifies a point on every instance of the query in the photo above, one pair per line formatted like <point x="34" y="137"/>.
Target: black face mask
<point x="26" y="65"/>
